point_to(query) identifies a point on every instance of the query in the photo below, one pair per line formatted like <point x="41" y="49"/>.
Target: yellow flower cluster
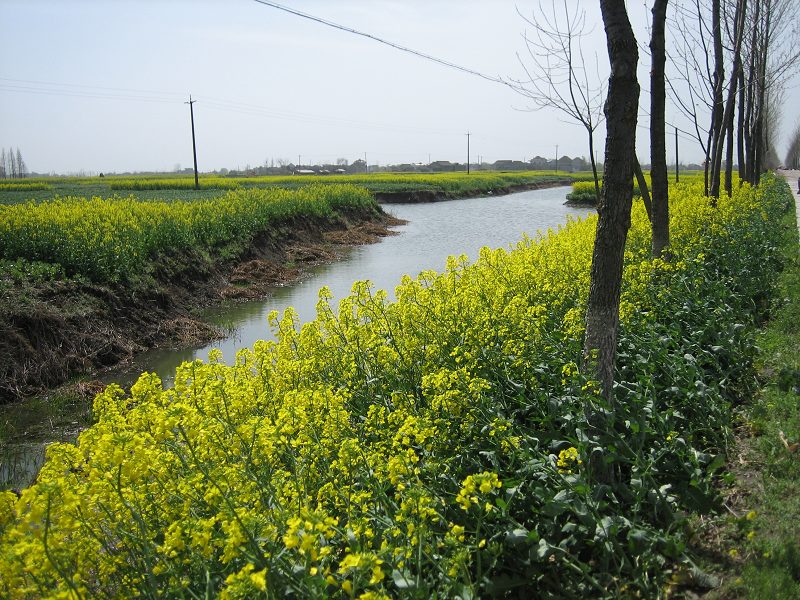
<point x="114" y="238"/>
<point x="568" y="459"/>
<point x="173" y="183"/>
<point x="360" y="454"/>
<point x="474" y="485"/>
<point x="447" y="183"/>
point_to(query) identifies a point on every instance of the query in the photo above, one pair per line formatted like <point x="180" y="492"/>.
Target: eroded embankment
<point x="54" y="330"/>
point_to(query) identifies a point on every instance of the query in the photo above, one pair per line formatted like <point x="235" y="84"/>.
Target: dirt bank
<point x="419" y="196"/>
<point x="55" y="330"/>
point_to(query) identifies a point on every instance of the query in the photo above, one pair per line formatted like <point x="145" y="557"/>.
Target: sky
<point x="100" y="85"/>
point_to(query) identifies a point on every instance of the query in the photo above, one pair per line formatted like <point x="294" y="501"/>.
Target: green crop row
<point x="183" y="183"/>
<point x="23" y="186"/>
<point x="445" y="184"/>
<point x="115" y="239"/>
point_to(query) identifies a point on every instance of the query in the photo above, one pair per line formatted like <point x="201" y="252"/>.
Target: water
<point x="434" y="232"/>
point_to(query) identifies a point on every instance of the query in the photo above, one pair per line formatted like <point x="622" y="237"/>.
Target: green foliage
<point x="457" y="184"/>
<point x="436" y="446"/>
<point x="184" y="183"/>
<point x="769" y="547"/>
<point x="115" y="239"/>
<point x="454" y="184"/>
<point x="23" y="186"/>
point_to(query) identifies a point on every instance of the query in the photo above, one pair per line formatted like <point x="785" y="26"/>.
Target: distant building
<point x="538" y="162"/>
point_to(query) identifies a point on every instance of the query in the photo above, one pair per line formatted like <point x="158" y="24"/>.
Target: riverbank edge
<point x="753" y="547"/>
<point x="56" y="331"/>
<point x="424" y="196"/>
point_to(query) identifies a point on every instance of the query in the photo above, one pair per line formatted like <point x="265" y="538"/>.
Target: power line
<point x="252" y="110"/>
<point x="70" y="90"/>
<point x="93" y="87"/>
<point x="446" y="63"/>
<point x="344" y="28"/>
<point x="79" y="94"/>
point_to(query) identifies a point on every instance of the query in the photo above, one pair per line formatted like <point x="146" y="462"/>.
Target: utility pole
<point x="194" y="145"/>
<point x="366" y="164"/>
<point x="556" y="158"/>
<point x="298" y="160"/>
<point x="677" y="175"/>
<point x="468" y="134"/>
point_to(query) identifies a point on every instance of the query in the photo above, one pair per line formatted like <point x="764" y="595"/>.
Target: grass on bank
<point x="757" y="542"/>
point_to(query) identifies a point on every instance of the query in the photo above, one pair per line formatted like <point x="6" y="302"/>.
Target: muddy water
<point x="434" y="231"/>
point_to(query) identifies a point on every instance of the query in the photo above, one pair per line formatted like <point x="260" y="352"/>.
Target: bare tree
<point x="658" y="141"/>
<point x="12" y="161"/>
<point x="614" y="209"/>
<point x="760" y="40"/>
<point x="3" y="163"/>
<point x="691" y="84"/>
<point x="774" y="55"/>
<point x="772" y="120"/>
<point x="22" y="169"/>
<point x="792" y="160"/>
<point x="556" y="72"/>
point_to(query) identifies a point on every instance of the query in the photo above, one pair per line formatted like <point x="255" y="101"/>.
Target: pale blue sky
<point x="100" y="85"/>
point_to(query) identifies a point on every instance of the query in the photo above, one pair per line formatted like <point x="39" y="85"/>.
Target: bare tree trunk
<point x="614" y="210"/>
<point x="750" y="118"/>
<point x="718" y="109"/>
<point x="658" y="135"/>
<point x="594" y="167"/>
<point x="729" y="160"/>
<point x="759" y="133"/>
<point x="740" y="130"/>
<point x="643" y="190"/>
<point x="730" y="103"/>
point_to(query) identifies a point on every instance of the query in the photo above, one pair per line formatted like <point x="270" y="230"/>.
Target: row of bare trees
<point x="731" y="60"/>
<point x="792" y="160"/>
<point x="11" y="164"/>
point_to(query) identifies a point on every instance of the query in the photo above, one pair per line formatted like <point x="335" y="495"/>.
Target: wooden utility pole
<point x="194" y="144"/>
<point x="468" y="134"/>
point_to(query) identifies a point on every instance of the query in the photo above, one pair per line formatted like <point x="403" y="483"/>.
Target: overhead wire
<point x="93" y="87"/>
<point x="79" y="94"/>
<point x="71" y="90"/>
<point x="446" y="63"/>
<point x="105" y="92"/>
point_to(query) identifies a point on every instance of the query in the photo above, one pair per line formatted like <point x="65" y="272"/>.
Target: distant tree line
<point x="793" y="154"/>
<point x="12" y="166"/>
<point x="343" y="166"/>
